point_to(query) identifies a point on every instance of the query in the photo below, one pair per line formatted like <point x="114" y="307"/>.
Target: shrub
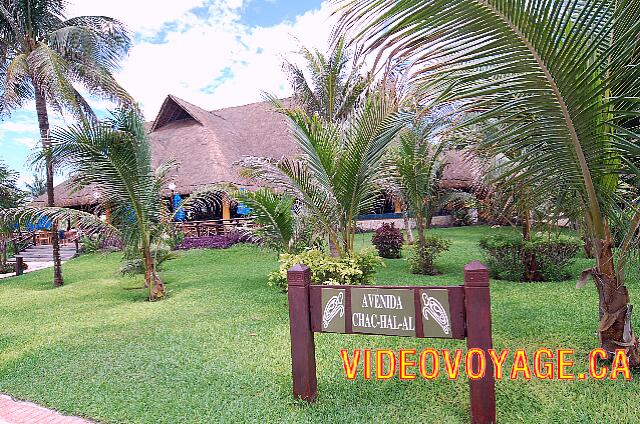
<point x="210" y="242"/>
<point x="357" y="269"/>
<point x="10" y="267"/>
<point x="422" y="258"/>
<point x="552" y="255"/>
<point x="388" y="240"/>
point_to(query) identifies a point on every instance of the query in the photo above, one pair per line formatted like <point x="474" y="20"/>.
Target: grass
<point x="217" y="350"/>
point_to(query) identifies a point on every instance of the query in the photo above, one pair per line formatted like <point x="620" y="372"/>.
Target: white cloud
<point x="213" y="63"/>
<point x="141" y="16"/>
<point x="29" y="142"/>
<point x="19" y="126"/>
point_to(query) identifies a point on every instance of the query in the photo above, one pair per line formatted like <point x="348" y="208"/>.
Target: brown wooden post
<point x="397" y="205"/>
<point x="76" y="243"/>
<point x="19" y="265"/>
<point x="303" y="356"/>
<point x="478" y="323"/>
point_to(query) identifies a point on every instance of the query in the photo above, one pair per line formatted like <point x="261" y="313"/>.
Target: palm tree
<point x="274" y="215"/>
<point x="38" y="187"/>
<point x="339" y="174"/>
<point x="562" y="79"/>
<point x="417" y="166"/>
<point x="10" y="197"/>
<point x="44" y="57"/>
<point x="113" y="156"/>
<point x="333" y="83"/>
<point x="330" y="86"/>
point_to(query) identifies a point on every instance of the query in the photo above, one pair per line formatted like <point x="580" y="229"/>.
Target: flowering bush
<point x="388" y="240"/>
<point x="210" y="242"/>
<point x="357" y="269"/>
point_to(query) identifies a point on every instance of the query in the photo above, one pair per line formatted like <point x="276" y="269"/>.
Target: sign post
<point x="19" y="265"/>
<point x="303" y="355"/>
<point x="454" y="312"/>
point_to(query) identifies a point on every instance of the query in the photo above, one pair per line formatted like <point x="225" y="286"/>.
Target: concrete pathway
<point x="16" y="412"/>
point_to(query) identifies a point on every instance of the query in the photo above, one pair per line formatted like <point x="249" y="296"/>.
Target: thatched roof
<point x="207" y="143"/>
<point x="461" y="170"/>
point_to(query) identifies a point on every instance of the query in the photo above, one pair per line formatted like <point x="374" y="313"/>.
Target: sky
<point x="213" y="53"/>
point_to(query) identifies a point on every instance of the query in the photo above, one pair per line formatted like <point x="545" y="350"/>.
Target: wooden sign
<point x="454" y="312"/>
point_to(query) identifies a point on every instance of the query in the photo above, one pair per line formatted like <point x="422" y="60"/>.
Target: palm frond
<point x="558" y="77"/>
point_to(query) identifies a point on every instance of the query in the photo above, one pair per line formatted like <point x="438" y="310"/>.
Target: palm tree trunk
<point x="43" y="123"/>
<point x="407" y="227"/>
<point x="333" y="247"/>
<point x="526" y="225"/>
<point x="151" y="278"/>
<point x="421" y="228"/>
<point x="614" y="309"/>
<point x="530" y="263"/>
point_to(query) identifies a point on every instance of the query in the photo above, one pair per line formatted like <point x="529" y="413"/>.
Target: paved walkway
<point x="15" y="412"/>
<point x="32" y="266"/>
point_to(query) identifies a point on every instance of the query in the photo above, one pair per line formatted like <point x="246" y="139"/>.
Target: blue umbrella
<point x="180" y="215"/>
<point x="242" y="208"/>
<point x="43" y="223"/>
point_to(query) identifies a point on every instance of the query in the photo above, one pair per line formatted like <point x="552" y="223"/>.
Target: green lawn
<point x="217" y="350"/>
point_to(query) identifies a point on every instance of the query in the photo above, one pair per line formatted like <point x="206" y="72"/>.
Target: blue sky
<point x="214" y="53"/>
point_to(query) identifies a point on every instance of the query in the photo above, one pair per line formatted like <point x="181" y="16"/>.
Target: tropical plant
<point x="562" y="81"/>
<point x="330" y="86"/>
<point x="333" y="85"/>
<point x="37" y="187"/>
<point x="113" y="156"/>
<point x="10" y="197"/>
<point x="357" y="269"/>
<point x="422" y="259"/>
<point x="417" y="165"/>
<point x="553" y="254"/>
<point x="273" y="216"/>
<point x="338" y="176"/>
<point x="44" y="57"/>
<point x="388" y="240"/>
<point x="280" y="222"/>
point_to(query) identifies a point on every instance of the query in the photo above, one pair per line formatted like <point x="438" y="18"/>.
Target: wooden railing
<point x="213" y="227"/>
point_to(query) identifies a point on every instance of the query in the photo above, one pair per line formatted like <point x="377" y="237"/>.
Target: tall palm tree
<point x="44" y="57"/>
<point x="333" y="83"/>
<point x="574" y="68"/>
<point x="338" y="176"/>
<point x="330" y="85"/>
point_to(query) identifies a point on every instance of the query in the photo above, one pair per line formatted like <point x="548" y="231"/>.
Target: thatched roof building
<point x="207" y="143"/>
